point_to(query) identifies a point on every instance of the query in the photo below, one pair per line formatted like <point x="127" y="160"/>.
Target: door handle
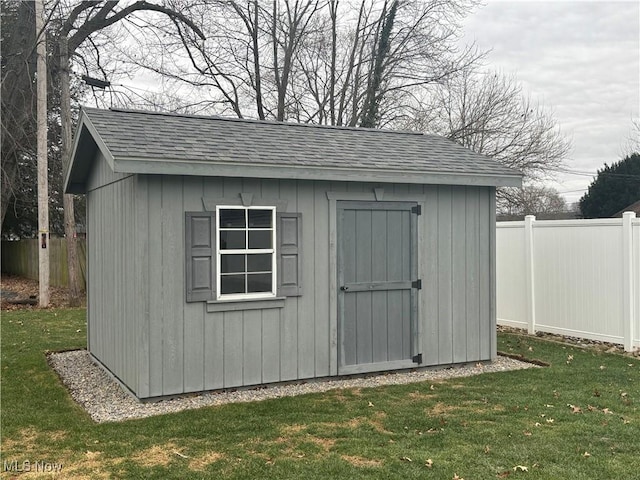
<point x="344" y="288"/>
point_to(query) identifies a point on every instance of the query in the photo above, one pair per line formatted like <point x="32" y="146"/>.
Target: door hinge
<point x="417" y="209"/>
<point x="417" y="358"/>
<point x="417" y="284"/>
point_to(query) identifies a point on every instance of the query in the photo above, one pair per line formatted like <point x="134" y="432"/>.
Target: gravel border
<point x="106" y="401"/>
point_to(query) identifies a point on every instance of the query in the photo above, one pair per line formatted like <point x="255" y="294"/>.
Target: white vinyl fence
<point x="571" y="277"/>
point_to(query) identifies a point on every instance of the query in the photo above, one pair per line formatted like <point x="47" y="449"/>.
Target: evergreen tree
<point x="615" y="187"/>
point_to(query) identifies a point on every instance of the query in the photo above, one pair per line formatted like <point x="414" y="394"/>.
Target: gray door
<point x="377" y="297"/>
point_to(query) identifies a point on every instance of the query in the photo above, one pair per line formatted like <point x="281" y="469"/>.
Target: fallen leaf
<point x="487" y="449"/>
<point x="180" y="454"/>
<point x="550" y="420"/>
<point x="531" y="349"/>
<point x="591" y="408"/>
<point x="548" y="405"/>
<point x="406" y="459"/>
<point x="626" y="422"/>
<point x="575" y="409"/>
<point x="370" y="404"/>
<point x="432" y="387"/>
<point x="537" y="424"/>
<point x="527" y="433"/>
<point x="456" y="477"/>
<point x="606" y="411"/>
<point x="504" y="474"/>
<point x="602" y="367"/>
<point x="429" y="463"/>
<point x="569" y="358"/>
<point x="586" y="454"/>
<point x="596" y="393"/>
<point x="522" y="468"/>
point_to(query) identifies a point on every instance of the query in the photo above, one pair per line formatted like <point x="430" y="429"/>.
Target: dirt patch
<point x="361" y="462"/>
<point x="89" y="467"/>
<point x="417" y="395"/>
<point x="157" y="455"/>
<point x="25" y="445"/>
<point x="324" y="443"/>
<point x="23" y="290"/>
<point x="441" y="409"/>
<point x="294" y="434"/>
<point x="289" y="430"/>
<point x="33" y="445"/>
<point x="377" y="423"/>
<point x="339" y="395"/>
<point x="200" y="463"/>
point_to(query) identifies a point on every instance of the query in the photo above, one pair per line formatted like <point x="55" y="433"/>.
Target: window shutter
<point x="289" y="254"/>
<point x="200" y="255"/>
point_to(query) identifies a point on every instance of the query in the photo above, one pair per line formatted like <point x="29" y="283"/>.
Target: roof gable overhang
<point x="87" y="144"/>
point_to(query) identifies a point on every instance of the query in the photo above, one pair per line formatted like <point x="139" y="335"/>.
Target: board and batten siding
<point x="190" y="349"/>
<point x="113" y="288"/>
<point x="183" y="348"/>
<point x="458" y="298"/>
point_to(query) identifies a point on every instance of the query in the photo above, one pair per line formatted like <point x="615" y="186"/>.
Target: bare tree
<point x="312" y="61"/>
<point x="73" y="25"/>
<point x="532" y="200"/>
<point x="17" y="96"/>
<point x="489" y="114"/>
<point x="633" y="143"/>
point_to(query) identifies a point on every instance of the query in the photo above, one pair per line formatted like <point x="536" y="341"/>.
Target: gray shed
<point x="226" y="253"/>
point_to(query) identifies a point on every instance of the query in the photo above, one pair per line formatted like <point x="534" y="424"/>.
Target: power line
<point x="595" y="174"/>
<point x="574" y="191"/>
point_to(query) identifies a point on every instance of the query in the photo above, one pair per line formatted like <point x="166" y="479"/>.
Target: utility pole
<point x="43" y="180"/>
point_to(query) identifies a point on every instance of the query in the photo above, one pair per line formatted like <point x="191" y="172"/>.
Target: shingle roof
<point x="143" y="137"/>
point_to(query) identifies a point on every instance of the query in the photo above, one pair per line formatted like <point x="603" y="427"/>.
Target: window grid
<point x="247" y="252"/>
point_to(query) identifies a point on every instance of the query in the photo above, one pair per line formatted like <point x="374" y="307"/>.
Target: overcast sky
<point x="581" y="59"/>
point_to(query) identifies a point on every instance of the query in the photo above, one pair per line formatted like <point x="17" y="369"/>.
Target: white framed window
<point x="245" y="252"/>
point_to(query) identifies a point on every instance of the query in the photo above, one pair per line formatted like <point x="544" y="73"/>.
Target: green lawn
<point x="476" y="428"/>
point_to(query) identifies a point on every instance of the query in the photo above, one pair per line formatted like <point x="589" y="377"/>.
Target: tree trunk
<point x="69" y="211"/>
<point x="9" y="175"/>
<point x="371" y="108"/>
